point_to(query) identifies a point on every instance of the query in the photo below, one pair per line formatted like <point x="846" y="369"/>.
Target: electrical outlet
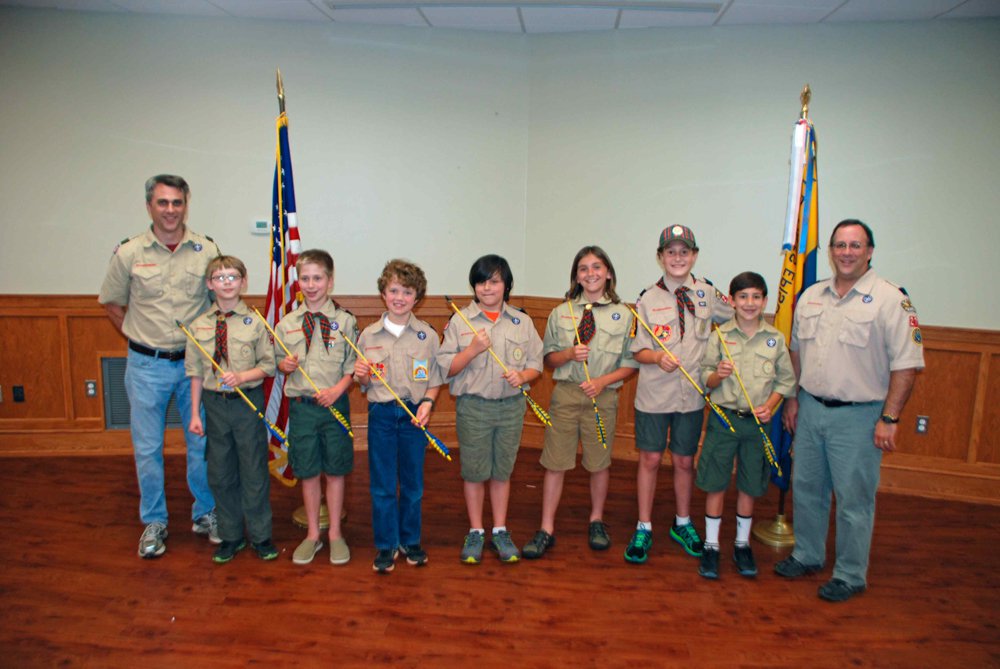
<point x="18" y="392"/>
<point x="91" y="387"/>
<point x="923" y="424"/>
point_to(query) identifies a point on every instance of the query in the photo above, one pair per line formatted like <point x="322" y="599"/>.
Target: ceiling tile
<point x="499" y="19"/>
<point x="891" y="10"/>
<point x="390" y="16"/>
<point x="282" y="10"/>
<point x="567" y="19"/>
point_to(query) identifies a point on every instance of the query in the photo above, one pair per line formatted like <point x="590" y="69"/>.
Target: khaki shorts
<point x="489" y="434"/>
<point x="574" y="422"/>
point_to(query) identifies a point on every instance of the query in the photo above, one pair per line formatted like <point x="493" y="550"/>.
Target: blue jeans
<point x="396" y="450"/>
<point x="149" y="383"/>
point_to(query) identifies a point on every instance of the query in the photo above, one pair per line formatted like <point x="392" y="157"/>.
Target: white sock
<point x="712" y="524"/>
<point x="681" y="521"/>
<point x="498" y="530"/>
<point x="477" y="530"/>
<point x="644" y="526"/>
<point x="743" y="530"/>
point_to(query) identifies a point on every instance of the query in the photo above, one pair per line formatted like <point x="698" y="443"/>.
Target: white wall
<point x="404" y="143"/>
<point x="633" y="131"/>
<point x="443" y="145"/>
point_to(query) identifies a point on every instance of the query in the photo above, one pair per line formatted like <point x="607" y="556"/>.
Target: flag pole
<point x="779" y="533"/>
<point x="299" y="515"/>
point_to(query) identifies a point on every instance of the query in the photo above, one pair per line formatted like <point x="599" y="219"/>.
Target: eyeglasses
<point x="226" y="278"/>
<point x="843" y="246"/>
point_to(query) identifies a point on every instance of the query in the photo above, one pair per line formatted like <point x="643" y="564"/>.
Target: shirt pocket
<point x="148" y="280"/>
<point x="702" y="322"/>
<point x="856" y="328"/>
<point x="241" y="351"/>
<point x="763" y="364"/>
<point x="193" y="280"/>
<point x="420" y="368"/>
<point x="611" y="338"/>
<point x="808" y="316"/>
<point x="379" y="359"/>
<point x="516" y="353"/>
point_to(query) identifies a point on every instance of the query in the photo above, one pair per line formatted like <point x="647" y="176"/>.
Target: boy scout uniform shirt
<point x="658" y="391"/>
<point x="248" y="345"/>
<point x="609" y="349"/>
<point x="762" y="361"/>
<point x="514" y="340"/>
<point x="326" y="365"/>
<point x="159" y="287"/>
<point x="847" y="346"/>
<point x="406" y="362"/>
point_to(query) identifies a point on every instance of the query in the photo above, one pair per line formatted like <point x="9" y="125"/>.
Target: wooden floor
<point x="74" y="593"/>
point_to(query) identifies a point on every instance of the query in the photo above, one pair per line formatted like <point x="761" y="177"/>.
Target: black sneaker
<point x="539" y="543"/>
<point x="836" y="590"/>
<point x="708" y="565"/>
<point x="415" y="555"/>
<point x="687" y="537"/>
<point x="385" y="560"/>
<point x="792" y="568"/>
<point x="745" y="564"/>
<point x="637" y="550"/>
<point x="597" y="536"/>
<point x="227" y="550"/>
<point x="265" y="550"/>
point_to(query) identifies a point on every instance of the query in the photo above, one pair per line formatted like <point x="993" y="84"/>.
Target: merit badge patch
<point x="198" y="247"/>
<point x="421" y="335"/>
<point x="917" y="337"/>
<point x="914" y="323"/>
<point x="772" y="342"/>
<point x="700" y="293"/>
<point x="516" y="320"/>
<point x="420" y="372"/>
<point x="907" y="305"/>
<point x="377" y="367"/>
<point x="616" y="316"/>
<point x="247" y="320"/>
<point x="662" y="332"/>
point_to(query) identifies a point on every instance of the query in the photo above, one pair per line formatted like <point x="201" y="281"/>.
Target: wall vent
<point x="116" y="407"/>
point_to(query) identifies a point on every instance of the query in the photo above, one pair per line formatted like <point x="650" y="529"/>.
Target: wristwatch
<point x="889" y="418"/>
<point x="426" y="399"/>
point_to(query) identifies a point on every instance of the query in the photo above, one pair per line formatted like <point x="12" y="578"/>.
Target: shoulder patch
<point x="706" y="280"/>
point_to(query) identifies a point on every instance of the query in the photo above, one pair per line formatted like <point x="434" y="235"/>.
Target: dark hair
<point x="853" y="221"/>
<point x="406" y="273"/>
<point x="486" y="267"/>
<point x="745" y="280"/>
<point x="171" y="180"/>
<point x="574" y="285"/>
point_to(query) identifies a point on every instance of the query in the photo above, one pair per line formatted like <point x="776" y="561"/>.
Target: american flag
<point x="283" y="293"/>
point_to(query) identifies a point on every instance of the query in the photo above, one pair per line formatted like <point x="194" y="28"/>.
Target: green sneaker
<point x="687" y="537"/>
<point x="472" y="548"/>
<point x="539" y="543"/>
<point x="597" y="536"/>
<point x="265" y="550"/>
<point x="637" y="550"/>
<point x="504" y="546"/>
<point x="227" y="550"/>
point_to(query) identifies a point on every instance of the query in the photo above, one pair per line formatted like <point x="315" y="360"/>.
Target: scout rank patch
<point x="420" y="371"/>
<point x="379" y="367"/>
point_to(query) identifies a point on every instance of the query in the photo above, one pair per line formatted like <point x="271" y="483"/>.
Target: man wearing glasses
<point x="856" y="348"/>
<point x="154" y="280"/>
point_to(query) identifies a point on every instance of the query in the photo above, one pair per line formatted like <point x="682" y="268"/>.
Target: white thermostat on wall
<point x="260" y="228"/>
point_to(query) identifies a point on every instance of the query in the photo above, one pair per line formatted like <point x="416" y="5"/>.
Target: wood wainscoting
<point x="51" y="344"/>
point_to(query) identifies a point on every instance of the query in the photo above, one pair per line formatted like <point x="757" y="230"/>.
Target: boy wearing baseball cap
<point x="669" y="412"/>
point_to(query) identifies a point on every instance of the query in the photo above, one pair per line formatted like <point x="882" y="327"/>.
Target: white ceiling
<point x="544" y="16"/>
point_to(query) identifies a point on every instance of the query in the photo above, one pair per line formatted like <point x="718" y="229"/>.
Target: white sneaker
<point x="207" y="525"/>
<point x="151" y="542"/>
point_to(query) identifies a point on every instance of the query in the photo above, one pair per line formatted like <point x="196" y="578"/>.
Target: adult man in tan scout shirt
<point x="856" y="348"/>
<point x="154" y="280"/>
